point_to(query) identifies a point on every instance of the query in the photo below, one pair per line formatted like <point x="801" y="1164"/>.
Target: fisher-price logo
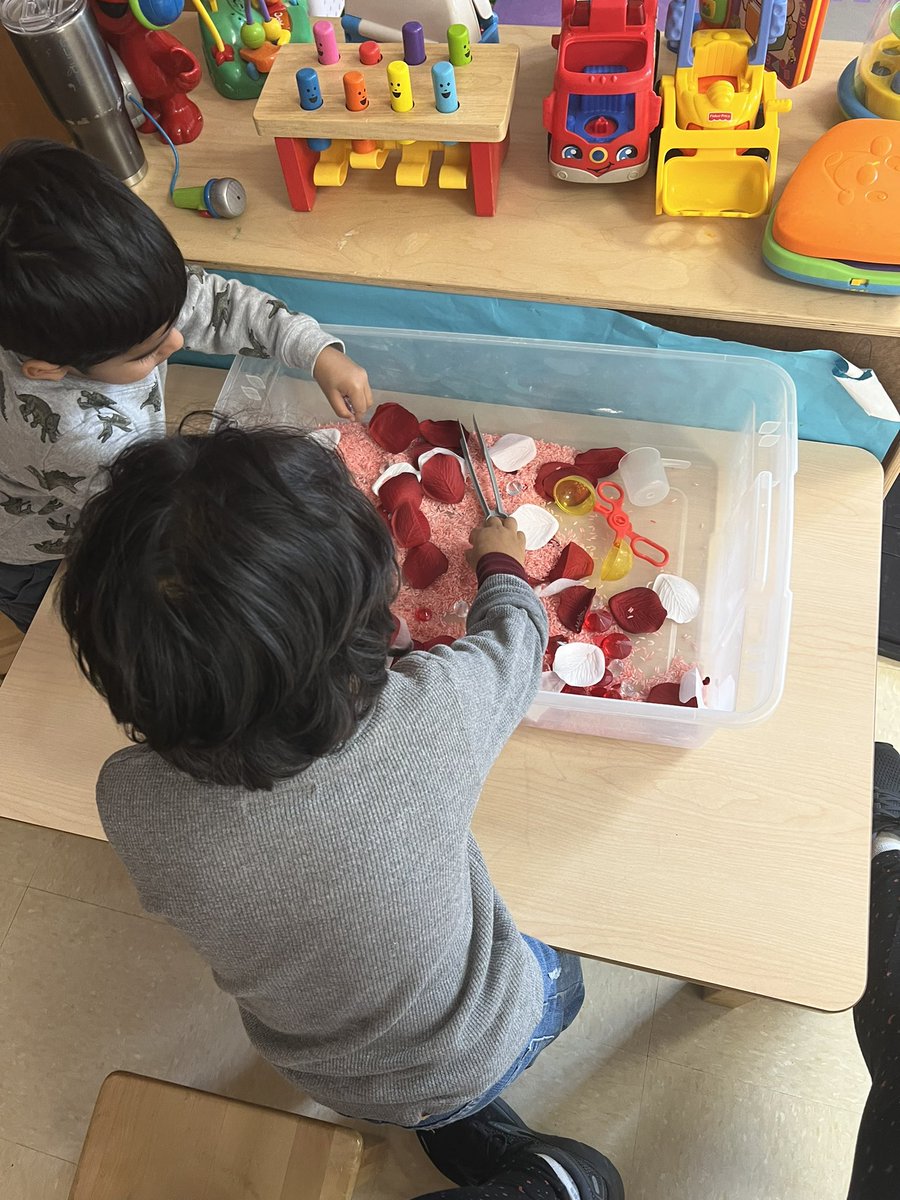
<point x="720" y="116"/>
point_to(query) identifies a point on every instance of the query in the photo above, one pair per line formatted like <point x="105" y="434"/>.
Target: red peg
<point x="370" y="54"/>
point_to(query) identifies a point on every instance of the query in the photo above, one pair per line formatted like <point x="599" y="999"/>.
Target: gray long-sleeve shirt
<point x="349" y="911"/>
<point x="55" y="436"/>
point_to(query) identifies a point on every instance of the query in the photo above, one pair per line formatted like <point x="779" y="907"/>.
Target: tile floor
<point x="692" y="1102"/>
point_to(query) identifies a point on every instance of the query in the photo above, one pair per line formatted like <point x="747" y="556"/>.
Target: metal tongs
<point x="497" y="509"/>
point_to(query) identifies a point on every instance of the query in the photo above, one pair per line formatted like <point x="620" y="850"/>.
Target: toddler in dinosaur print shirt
<point x="96" y="297"/>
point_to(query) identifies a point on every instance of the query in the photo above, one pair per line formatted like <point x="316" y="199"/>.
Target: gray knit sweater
<point x="349" y="911"/>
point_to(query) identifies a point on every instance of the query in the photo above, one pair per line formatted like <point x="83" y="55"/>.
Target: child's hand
<point x="346" y="385"/>
<point x="496" y="536"/>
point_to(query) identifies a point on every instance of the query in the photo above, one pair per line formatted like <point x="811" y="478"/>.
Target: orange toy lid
<point x="843" y="201"/>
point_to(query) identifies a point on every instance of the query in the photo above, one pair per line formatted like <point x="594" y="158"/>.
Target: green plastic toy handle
<point x="894" y="20"/>
<point x="189" y="197"/>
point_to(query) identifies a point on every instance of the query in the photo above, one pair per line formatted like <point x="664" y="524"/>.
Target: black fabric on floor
<point x="889" y="620"/>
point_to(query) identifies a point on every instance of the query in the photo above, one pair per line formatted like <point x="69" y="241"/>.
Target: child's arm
<point x="224" y="316"/>
<point x="493" y="673"/>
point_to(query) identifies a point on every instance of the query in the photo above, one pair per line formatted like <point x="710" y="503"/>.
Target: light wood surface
<point x="569" y="243"/>
<point x="485" y="88"/>
<point x="152" y="1140"/>
<point x="742" y="865"/>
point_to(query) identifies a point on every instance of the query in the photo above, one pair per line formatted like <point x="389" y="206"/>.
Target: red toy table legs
<point x="298" y="163"/>
<point x="486" y="160"/>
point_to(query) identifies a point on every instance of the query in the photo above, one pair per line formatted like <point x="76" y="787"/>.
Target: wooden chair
<point x="152" y="1140"/>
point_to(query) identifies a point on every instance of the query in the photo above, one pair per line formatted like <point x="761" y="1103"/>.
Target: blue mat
<point x="826" y="413"/>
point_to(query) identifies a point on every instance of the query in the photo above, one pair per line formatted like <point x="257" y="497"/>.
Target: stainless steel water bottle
<point x="65" y="54"/>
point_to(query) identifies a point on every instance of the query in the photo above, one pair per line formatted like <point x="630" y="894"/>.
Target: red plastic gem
<point x="573" y="606"/>
<point x="598" y="464"/>
<point x="441" y="433"/>
<point x="400" y="489"/>
<point x="668" y="693"/>
<point x="573" y="563"/>
<point x="410" y="527"/>
<point x="601" y="688"/>
<point x="598" y="620"/>
<point x="424" y="564"/>
<point x="569" y="690"/>
<point x="638" y="610"/>
<point x="548" y="477"/>
<point x="423" y="614"/>
<point x="616" y="645"/>
<point x="393" y="427"/>
<point x="442" y="479"/>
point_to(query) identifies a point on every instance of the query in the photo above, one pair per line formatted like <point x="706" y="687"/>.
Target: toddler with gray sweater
<point x="300" y="809"/>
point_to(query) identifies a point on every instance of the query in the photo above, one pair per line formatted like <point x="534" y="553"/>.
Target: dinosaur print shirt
<point x="56" y="437"/>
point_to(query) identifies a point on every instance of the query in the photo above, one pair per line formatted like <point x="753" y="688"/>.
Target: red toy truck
<point x="603" y="109"/>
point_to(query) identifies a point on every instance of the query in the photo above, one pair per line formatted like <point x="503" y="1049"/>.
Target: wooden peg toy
<point x="400" y="86"/>
<point x="326" y="44"/>
<point x="413" y="43"/>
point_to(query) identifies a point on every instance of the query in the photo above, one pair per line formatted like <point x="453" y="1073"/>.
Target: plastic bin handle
<point x="762" y="538"/>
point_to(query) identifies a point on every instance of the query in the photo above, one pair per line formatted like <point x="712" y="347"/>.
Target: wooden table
<point x="744" y="864"/>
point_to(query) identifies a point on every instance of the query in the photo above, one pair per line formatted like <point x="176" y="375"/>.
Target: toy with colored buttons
<point x="354" y="105"/>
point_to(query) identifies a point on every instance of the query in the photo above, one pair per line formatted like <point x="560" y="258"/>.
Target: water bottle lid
<point x="37" y="16"/>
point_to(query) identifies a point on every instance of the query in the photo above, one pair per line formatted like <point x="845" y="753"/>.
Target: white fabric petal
<point x="327" y="437"/>
<point x="400" y="468"/>
<point x="678" y="596"/>
<point x="513" y="451"/>
<point x="538" y="525"/>
<point x="546" y="590"/>
<point x="579" y="664"/>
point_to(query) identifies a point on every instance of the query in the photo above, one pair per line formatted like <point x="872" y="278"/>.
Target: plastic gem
<point x="423" y="614"/>
<point x="616" y="645"/>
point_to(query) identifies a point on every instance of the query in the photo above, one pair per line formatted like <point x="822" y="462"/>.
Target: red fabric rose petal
<point x="410" y="527"/>
<point x="424" y="564"/>
<point x="573" y="563"/>
<point x="573" y="606"/>
<point x="445" y="434"/>
<point x="667" y="693"/>
<point x="393" y="427"/>
<point x="595" y="465"/>
<point x="401" y="489"/>
<point x="548" y="477"/>
<point x="442" y="479"/>
<point x="552" y="646"/>
<point x="637" y="610"/>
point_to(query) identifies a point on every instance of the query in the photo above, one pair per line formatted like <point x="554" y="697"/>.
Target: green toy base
<point x="234" y="79"/>
<point x="828" y="272"/>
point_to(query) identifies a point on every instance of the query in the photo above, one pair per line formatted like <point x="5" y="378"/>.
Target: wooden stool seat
<point x="152" y="1140"/>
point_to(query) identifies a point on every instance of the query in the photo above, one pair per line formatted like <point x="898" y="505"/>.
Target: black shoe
<point x="475" y="1151"/>
<point x="886" y="793"/>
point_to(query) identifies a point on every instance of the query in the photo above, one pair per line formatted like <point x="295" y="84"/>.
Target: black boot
<point x="484" y="1146"/>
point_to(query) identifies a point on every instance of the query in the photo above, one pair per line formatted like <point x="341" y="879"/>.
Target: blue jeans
<point x="563" y="998"/>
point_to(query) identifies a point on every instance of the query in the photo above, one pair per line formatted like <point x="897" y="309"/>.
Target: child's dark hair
<point x="229" y="594"/>
<point x="88" y="270"/>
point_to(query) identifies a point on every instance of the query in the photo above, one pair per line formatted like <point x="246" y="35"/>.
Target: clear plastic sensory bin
<point x="713" y="488"/>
